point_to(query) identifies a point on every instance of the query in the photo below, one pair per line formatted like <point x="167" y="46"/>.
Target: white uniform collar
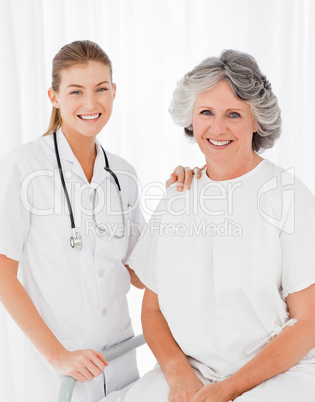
<point x="66" y="154"/>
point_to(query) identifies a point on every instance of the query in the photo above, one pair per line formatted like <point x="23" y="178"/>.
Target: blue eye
<point x="206" y="112"/>
<point x="102" y="89"/>
<point x="75" y="92"/>
<point x="234" y="115"/>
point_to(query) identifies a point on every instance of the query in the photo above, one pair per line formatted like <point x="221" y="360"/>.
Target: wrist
<point x="55" y="355"/>
<point x="179" y="372"/>
<point x="230" y="388"/>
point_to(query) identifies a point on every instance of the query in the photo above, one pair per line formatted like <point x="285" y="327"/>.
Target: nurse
<point x="70" y="242"/>
<point x="233" y="318"/>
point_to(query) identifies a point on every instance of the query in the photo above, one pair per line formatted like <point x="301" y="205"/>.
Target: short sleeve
<point x="135" y="229"/>
<point x="14" y="216"/>
<point x="137" y="221"/>
<point x="298" y="243"/>
<point x="145" y="254"/>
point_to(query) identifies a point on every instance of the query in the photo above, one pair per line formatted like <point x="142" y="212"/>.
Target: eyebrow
<point x="80" y="86"/>
<point x="227" y="110"/>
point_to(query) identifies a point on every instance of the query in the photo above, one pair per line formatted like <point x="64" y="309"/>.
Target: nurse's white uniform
<point x="222" y="258"/>
<point x="81" y="295"/>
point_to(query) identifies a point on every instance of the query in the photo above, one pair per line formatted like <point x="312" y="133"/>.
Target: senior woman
<point x="231" y="318"/>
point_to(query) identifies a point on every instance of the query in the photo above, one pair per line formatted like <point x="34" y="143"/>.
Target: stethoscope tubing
<point x="63" y="183"/>
<point x="76" y="239"/>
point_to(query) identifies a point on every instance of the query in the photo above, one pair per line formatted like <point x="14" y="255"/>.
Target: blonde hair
<point x="77" y="52"/>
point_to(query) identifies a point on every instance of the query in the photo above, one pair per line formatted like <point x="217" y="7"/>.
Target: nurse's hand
<point x="82" y="365"/>
<point x="183" y="176"/>
<point x="185" y="392"/>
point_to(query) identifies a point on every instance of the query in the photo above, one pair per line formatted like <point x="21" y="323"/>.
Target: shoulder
<point x="30" y="155"/>
<point x="117" y="163"/>
<point x="285" y="201"/>
<point x="126" y="174"/>
<point x="278" y="178"/>
<point x="22" y="163"/>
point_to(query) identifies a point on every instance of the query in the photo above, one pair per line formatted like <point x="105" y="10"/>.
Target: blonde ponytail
<point x="55" y="121"/>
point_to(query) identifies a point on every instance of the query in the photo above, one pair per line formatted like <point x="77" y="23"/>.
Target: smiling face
<point x="85" y="98"/>
<point x="223" y="128"/>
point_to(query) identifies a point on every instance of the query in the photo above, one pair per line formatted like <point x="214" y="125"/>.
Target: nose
<point x="89" y="101"/>
<point x="218" y="125"/>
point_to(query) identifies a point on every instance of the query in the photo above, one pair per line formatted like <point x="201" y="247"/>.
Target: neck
<point x="227" y="170"/>
<point x="84" y="149"/>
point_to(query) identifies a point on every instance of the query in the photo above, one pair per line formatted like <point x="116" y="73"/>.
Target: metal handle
<point x="68" y="384"/>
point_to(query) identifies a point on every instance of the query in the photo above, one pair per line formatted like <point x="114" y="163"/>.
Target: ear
<point x="255" y="128"/>
<point x="53" y="98"/>
<point x="114" y="91"/>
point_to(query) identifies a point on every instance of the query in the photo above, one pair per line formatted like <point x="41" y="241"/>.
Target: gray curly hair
<point x="248" y="84"/>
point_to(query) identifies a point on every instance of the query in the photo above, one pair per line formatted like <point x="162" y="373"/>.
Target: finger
<point x="178" y="170"/>
<point x="197" y="172"/>
<point x="79" y="377"/>
<point x="171" y="180"/>
<point x="94" y="370"/>
<point x="91" y="365"/>
<point x="86" y="373"/>
<point x="180" y="181"/>
<point x="168" y="182"/>
<point x="97" y="364"/>
<point x="101" y="357"/>
<point x="204" y="166"/>
<point x="188" y="177"/>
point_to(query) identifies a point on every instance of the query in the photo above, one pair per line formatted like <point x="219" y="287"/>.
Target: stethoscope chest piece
<point x="76" y="241"/>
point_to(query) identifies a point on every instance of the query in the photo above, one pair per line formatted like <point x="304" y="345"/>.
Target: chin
<point x="90" y="133"/>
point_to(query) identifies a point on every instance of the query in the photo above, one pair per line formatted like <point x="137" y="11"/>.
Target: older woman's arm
<point x="180" y="376"/>
<point x="279" y="355"/>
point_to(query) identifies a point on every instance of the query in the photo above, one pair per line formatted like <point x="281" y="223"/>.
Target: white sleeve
<point x="135" y="229"/>
<point x="136" y="223"/>
<point x="145" y="254"/>
<point x="298" y="246"/>
<point x="14" y="218"/>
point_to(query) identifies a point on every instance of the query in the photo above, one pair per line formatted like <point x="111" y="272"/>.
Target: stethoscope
<point x="76" y="239"/>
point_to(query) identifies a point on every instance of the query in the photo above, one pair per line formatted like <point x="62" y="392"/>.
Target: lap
<point x="117" y="396"/>
<point x="151" y="387"/>
<point x="296" y="384"/>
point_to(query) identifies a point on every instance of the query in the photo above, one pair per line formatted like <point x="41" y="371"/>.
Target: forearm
<point x="278" y="356"/>
<point x="170" y="357"/>
<point x="21" y="308"/>
<point x="134" y="280"/>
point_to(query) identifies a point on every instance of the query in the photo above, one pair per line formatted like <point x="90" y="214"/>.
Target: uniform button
<point x="101" y="273"/>
<point x="104" y="311"/>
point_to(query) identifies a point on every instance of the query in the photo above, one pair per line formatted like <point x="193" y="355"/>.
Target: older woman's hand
<point x="215" y="392"/>
<point x="184" y="392"/>
<point x="183" y="176"/>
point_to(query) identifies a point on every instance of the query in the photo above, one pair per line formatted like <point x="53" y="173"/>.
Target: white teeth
<point x="219" y="142"/>
<point x="95" y="116"/>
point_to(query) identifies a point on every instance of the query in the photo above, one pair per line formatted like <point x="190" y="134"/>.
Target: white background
<point x="152" y="43"/>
